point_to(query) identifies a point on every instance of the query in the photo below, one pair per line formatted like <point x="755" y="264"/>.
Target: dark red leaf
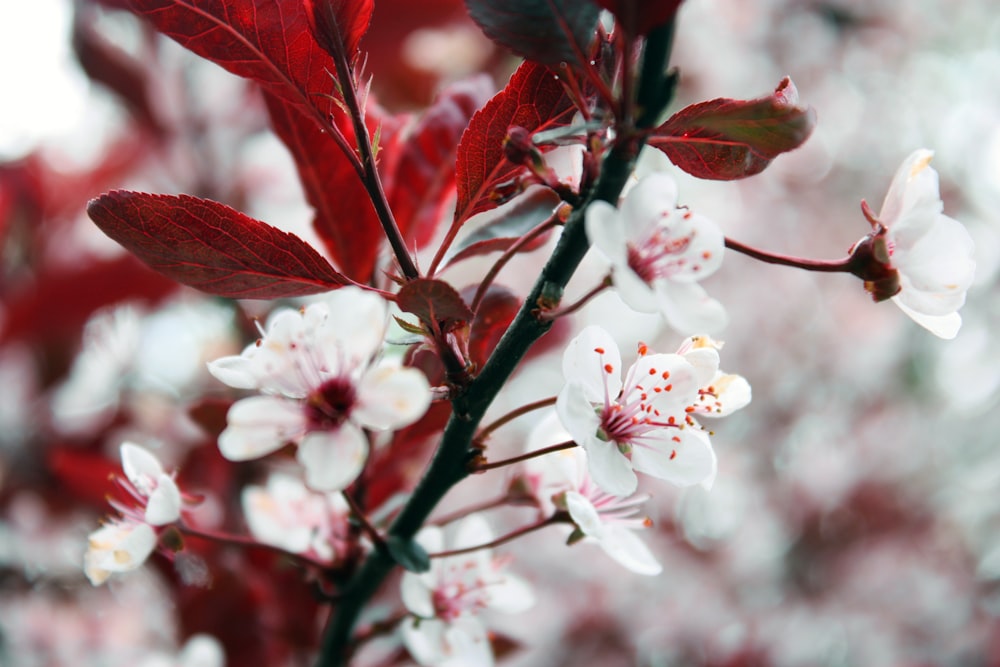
<point x="269" y="42"/>
<point x="421" y="180"/>
<point x="544" y="31"/>
<point x="496" y="312"/>
<point x="521" y="216"/>
<point x="345" y="21"/>
<point x="639" y="17"/>
<point x="725" y="139"/>
<point x="212" y="247"/>
<point x="58" y="303"/>
<point x="533" y="99"/>
<point x="345" y="218"/>
<point x="262" y="40"/>
<point x="85" y="475"/>
<point x="435" y="302"/>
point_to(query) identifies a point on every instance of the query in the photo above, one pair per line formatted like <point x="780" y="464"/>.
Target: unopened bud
<point x="519" y="149"/>
<point x="871" y="261"/>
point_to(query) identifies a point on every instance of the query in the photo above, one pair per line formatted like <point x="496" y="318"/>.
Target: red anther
<point x="673" y="454"/>
<point x="652" y="371"/>
<point x="666" y="374"/>
<point x="608" y="368"/>
<point x="599" y="350"/>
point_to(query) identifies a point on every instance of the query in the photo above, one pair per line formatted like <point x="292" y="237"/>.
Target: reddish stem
<point x="558" y="517"/>
<point x="549" y="315"/>
<point x="821" y="265"/>
<point x="507" y="255"/>
<point x="512" y="415"/>
<point x="247" y="542"/>
<point x="482" y="467"/>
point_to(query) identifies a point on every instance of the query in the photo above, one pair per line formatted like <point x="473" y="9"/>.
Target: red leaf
<point x="262" y="40"/>
<point x="59" y="302"/>
<point x="533" y="99"/>
<point x="725" y="139"/>
<point x="435" y="302"/>
<point x="544" y="31"/>
<point x="496" y="312"/>
<point x="269" y="42"/>
<point x="343" y="20"/>
<point x="421" y="181"/>
<point x="639" y="17"/>
<point x="345" y="218"/>
<point x="212" y="247"/>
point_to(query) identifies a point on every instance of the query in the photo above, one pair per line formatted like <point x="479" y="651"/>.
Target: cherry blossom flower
<point x="658" y="253"/>
<point x="151" y="485"/>
<point x="645" y="422"/>
<point x="560" y="481"/>
<point x="287" y="514"/>
<point x="446" y="600"/>
<point x="321" y="388"/>
<point x="124" y="543"/>
<point x="121" y="545"/>
<point x="929" y="260"/>
<point x="200" y="650"/>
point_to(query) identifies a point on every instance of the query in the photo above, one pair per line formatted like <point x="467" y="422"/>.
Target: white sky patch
<point x="44" y="93"/>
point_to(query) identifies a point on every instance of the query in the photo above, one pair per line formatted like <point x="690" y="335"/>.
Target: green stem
<point x="450" y="462"/>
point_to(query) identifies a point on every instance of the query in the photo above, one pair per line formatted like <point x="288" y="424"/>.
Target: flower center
<point x="661" y="255"/>
<point x="463" y="591"/>
<point x="331" y="404"/>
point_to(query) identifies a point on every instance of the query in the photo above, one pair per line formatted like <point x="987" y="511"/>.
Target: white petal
<point x="416" y="596"/>
<point x="260" y="425"/>
<point x="705" y="250"/>
<point x="629" y="550"/>
<point x="140" y="466"/>
<point x="472" y="531"/>
<point x="606" y="232"/>
<point x="164" y="505"/>
<point x="237" y="371"/>
<point x="333" y="459"/>
<point x="635" y="292"/>
<point x="356" y="325"/>
<point x="942" y="326"/>
<point x="584" y="514"/>
<point x="732" y="392"/>
<point x="390" y="397"/>
<point x="202" y="651"/>
<point x="609" y="468"/>
<point x="685" y="458"/>
<point x="576" y="413"/>
<point x="513" y="595"/>
<point x="705" y="361"/>
<point x="677" y="378"/>
<point x="688" y="308"/>
<point x="117" y="547"/>
<point x="587" y="361"/>
<point x="914" y="185"/>
<point x="266" y="513"/>
<point x="651" y="202"/>
<point x="425" y="641"/>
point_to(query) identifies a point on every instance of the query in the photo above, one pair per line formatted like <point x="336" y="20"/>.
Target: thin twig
<point x="512" y="415"/>
<point x="821" y="265"/>
<point x="481" y="467"/>
<point x="558" y="517"/>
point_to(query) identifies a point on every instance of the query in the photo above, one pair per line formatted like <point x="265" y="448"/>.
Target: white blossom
<point x="931" y="252"/>
<point x="322" y="386"/>
<point x="643" y="422"/>
<point x="446" y="601"/>
<point x="659" y="252"/>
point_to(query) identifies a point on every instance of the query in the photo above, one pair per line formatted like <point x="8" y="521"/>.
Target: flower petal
<point x="688" y="308"/>
<point x="686" y="458"/>
<point x="164" y="505"/>
<point x="584" y="515"/>
<point x="118" y="546"/>
<point x="629" y="550"/>
<point x="390" y="397"/>
<point x="592" y="361"/>
<point x="914" y="186"/>
<point x="416" y="595"/>
<point x="942" y="326"/>
<point x="606" y="232"/>
<point x="333" y="459"/>
<point x="511" y="595"/>
<point x="141" y="467"/>
<point x="260" y="425"/>
<point x="609" y="468"/>
<point x="576" y="413"/>
<point x="651" y="202"/>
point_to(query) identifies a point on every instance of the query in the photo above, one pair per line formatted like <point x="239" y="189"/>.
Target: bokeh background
<point x="856" y="516"/>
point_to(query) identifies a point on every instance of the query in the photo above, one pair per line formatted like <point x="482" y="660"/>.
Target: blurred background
<point x="856" y="516"/>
